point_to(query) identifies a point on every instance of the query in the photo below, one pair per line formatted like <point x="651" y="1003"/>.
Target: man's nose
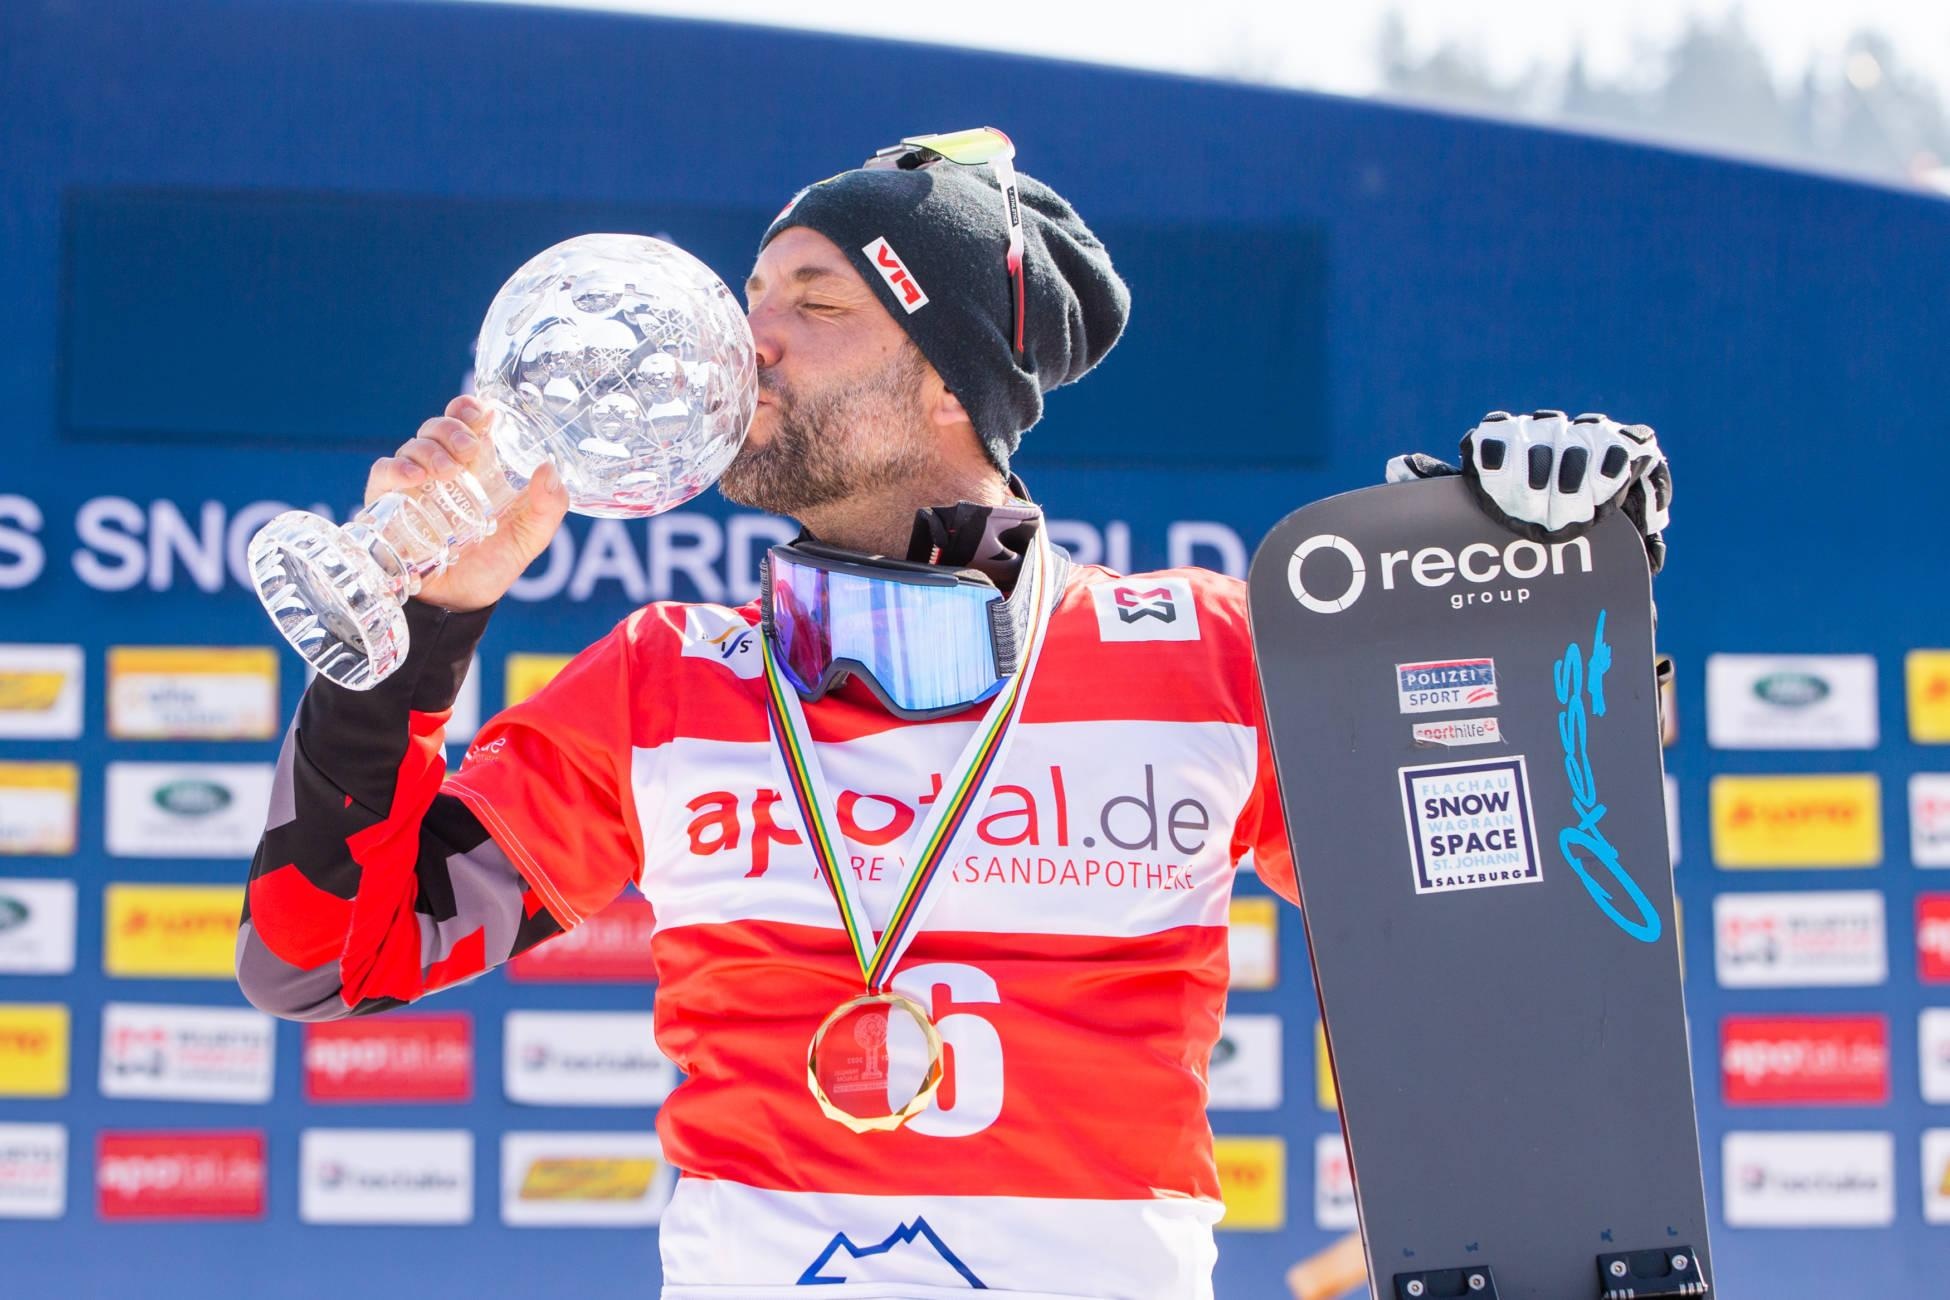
<point x="765" y="339"/>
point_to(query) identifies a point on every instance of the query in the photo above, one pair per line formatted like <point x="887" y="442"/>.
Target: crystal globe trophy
<point x="620" y="358"/>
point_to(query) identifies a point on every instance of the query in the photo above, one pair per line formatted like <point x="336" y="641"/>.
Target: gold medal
<point x="849" y="1064"/>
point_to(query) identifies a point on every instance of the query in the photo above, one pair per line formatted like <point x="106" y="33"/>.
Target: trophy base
<point x="330" y="599"/>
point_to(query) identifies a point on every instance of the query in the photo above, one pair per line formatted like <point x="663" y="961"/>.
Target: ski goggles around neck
<point x="927" y="641"/>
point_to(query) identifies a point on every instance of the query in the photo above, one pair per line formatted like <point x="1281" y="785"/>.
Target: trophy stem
<point x="337" y="594"/>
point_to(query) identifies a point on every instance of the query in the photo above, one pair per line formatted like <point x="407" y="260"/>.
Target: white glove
<point x="1551" y="478"/>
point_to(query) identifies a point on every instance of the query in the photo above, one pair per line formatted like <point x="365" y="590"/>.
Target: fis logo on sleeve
<point x="724" y="638"/>
<point x="1446" y="684"/>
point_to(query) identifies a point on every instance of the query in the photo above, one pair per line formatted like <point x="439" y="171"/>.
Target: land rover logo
<point x="192" y="798"/>
<point x="1223" y="1050"/>
<point x="13" y="913"/>
<point x="1791" y="690"/>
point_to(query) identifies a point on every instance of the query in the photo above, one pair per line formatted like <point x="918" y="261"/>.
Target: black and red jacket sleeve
<point x="373" y="885"/>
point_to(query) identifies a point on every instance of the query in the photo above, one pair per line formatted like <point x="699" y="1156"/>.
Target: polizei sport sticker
<point x="1470" y="825"/>
<point x="1446" y="684"/>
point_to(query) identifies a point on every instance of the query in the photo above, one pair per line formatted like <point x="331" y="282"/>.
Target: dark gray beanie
<point x="942" y="273"/>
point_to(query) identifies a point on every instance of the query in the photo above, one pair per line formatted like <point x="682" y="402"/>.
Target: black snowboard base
<point x="1465" y="726"/>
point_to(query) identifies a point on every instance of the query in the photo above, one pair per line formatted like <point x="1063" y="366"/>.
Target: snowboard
<point x="1465" y="727"/>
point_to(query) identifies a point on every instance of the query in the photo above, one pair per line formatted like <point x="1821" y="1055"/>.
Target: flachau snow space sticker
<point x="1470" y="825"/>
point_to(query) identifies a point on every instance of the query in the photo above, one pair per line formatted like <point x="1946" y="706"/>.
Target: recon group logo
<point x="1800" y="940"/>
<point x="1246" y="1068"/>
<point x="1804" y="1060"/>
<point x="37" y="927"/>
<point x="37" y="808"/>
<point x="40" y="692"/>
<point x="584" y="1058"/>
<point x="1933" y="1053"/>
<point x="1933" y="938"/>
<point x="180" y="1175"/>
<point x="33" y="1171"/>
<point x="1253" y="942"/>
<point x="1809" y="1180"/>
<point x="1791" y="701"/>
<point x="192" y="692"/>
<point x="1333" y="1186"/>
<point x="611" y="947"/>
<point x="604" y="1180"/>
<point x="172" y="931"/>
<point x="186" y="1053"/>
<point x="187" y="810"/>
<point x="1328" y="573"/>
<point x="1936" y="1175"/>
<point x="1797" y="821"/>
<point x="386" y="1176"/>
<point x="1929" y="819"/>
<point x="1252" y="1181"/>
<point x="1154" y="609"/>
<point x="391" y="1059"/>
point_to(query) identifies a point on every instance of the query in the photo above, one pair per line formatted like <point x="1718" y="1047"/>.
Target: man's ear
<point x="947" y="411"/>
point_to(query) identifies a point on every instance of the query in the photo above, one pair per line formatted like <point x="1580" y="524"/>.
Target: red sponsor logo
<point x="895" y="273"/>
<point x="1804" y="1060"/>
<point x="398" y="1058"/>
<point x="1933" y="938"/>
<point x="180" y="1176"/>
<point x="611" y="947"/>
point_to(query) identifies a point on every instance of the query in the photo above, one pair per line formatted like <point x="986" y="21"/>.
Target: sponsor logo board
<point x="40" y="692"/>
<point x="1253" y="943"/>
<point x="1451" y="732"/>
<point x="1797" y="821"/>
<point x="1929" y="819"/>
<point x="611" y="947"/>
<point x="37" y="808"/>
<point x="1672" y="817"/>
<point x="180" y="1175"/>
<point x="1811" y="939"/>
<point x="1791" y="701"/>
<point x="385" y="1176"/>
<point x="1247" y="1066"/>
<point x="1928" y="681"/>
<point x="1470" y="825"/>
<point x="187" y="810"/>
<point x="1333" y="1186"/>
<point x="397" y="1058"/>
<point x="1933" y="938"/>
<point x="1933" y="1054"/>
<point x="1146" y="609"/>
<point x="595" y="1180"/>
<point x="33" y="1171"/>
<point x="1809" y="1180"/>
<point x="465" y="719"/>
<point x="723" y="638"/>
<point x="528" y="673"/>
<point x="33" y="1049"/>
<point x="1816" y="1060"/>
<point x="183" y="1053"/>
<point x="1326" y="1095"/>
<point x="1440" y="685"/>
<point x="584" y="1058"/>
<point x="1669" y="709"/>
<point x="1252" y="1181"/>
<point x="171" y="931"/>
<point x="1936" y="1175"/>
<point x="192" y="692"/>
<point x="37" y="927"/>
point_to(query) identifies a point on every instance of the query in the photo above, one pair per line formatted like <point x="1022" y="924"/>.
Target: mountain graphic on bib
<point x="910" y="1253"/>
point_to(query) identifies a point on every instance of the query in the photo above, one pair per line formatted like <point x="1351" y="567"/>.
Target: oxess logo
<point x="1585" y="845"/>
<point x="907" y="291"/>
<point x="1328" y="586"/>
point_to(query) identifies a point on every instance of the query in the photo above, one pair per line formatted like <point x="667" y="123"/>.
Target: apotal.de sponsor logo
<point x="611" y="947"/>
<point x="402" y="1058"/>
<point x="1933" y="938"/>
<point x="1805" y="1060"/>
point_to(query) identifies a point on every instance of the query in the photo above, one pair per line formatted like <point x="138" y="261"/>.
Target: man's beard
<point x="859" y="436"/>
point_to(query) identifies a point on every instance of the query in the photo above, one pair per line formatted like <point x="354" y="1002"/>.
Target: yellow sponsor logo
<point x="37" y="808"/>
<point x="588" y="1178"/>
<point x="189" y="661"/>
<point x="1797" y="821"/>
<point x="1324" y="1090"/>
<point x="208" y="692"/>
<point x="1254" y="943"/>
<point x="1252" y="1179"/>
<point x="529" y="673"/>
<point x="1928" y="672"/>
<point x="33" y="1050"/>
<point x="27" y="691"/>
<point x="172" y="931"/>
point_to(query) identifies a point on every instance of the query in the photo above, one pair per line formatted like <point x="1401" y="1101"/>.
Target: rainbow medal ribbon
<point x="854" y="1065"/>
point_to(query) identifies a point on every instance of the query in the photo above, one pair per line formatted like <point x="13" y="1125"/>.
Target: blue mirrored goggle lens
<point x="926" y="647"/>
